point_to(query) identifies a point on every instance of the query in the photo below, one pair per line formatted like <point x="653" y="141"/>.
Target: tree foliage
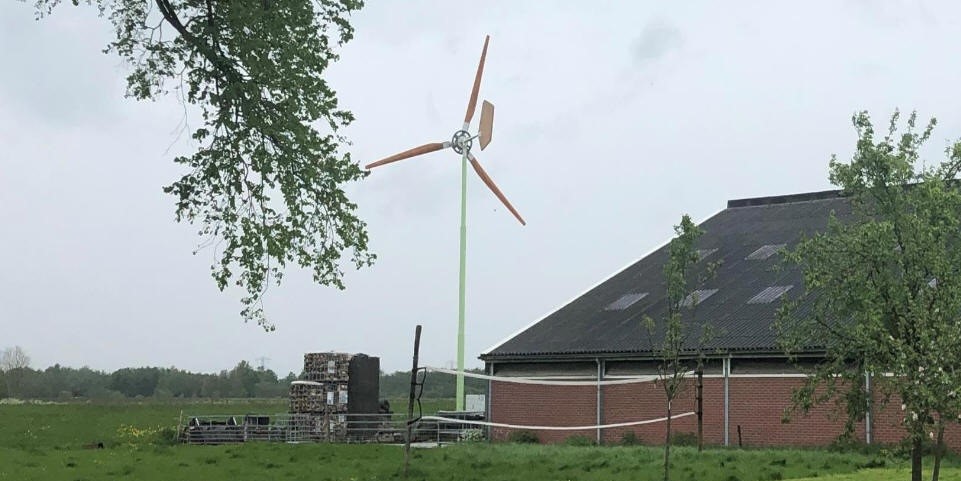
<point x="66" y="383"/>
<point x="672" y="350"/>
<point x="242" y="381"/>
<point x="885" y="284"/>
<point x="396" y="385"/>
<point x="14" y="363"/>
<point x="266" y="181"/>
<point x="14" y="358"/>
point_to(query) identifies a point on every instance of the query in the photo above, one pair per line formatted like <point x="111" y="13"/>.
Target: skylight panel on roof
<point x="702" y="253"/>
<point x="769" y="294"/>
<point x="765" y="251"/>
<point x="697" y="297"/>
<point x="625" y="301"/>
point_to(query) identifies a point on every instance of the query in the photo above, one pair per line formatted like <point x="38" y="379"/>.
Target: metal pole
<point x="726" y="368"/>
<point x="867" y="415"/>
<point x="488" y="416"/>
<point x="600" y="374"/>
<point x="410" y="400"/>
<point x="463" y="283"/>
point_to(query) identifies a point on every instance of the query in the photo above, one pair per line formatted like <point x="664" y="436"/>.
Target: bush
<point x="630" y="439"/>
<point x="472" y="435"/>
<point x="139" y="436"/>
<point x="876" y="462"/>
<point x="579" y="440"/>
<point x="903" y="449"/>
<point x="167" y="436"/>
<point x="523" y="437"/>
<point x="684" y="439"/>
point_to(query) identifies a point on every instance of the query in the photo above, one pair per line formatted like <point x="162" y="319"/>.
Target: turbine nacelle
<point x="461" y="142"/>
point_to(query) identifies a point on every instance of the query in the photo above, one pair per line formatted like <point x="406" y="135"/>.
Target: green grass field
<point x="899" y="474"/>
<point x="46" y="442"/>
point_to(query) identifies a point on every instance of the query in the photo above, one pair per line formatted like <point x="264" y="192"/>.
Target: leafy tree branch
<point x="265" y="184"/>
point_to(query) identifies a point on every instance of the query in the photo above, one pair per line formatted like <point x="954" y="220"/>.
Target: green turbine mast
<point x="461" y="143"/>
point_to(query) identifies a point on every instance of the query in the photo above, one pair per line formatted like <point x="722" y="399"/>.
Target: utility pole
<point x="263" y="360"/>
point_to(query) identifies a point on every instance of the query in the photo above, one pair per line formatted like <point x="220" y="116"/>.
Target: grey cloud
<point x="895" y="14"/>
<point x="656" y="39"/>
<point x="54" y="80"/>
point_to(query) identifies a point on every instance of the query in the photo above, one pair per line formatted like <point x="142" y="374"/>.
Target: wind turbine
<point x="461" y="143"/>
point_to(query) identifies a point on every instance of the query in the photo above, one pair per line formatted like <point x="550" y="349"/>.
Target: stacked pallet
<point x="323" y="392"/>
<point x="327" y="366"/>
<point x="333" y="386"/>
<point x="307" y="397"/>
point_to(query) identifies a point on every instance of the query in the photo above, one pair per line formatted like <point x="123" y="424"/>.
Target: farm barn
<point x="748" y="381"/>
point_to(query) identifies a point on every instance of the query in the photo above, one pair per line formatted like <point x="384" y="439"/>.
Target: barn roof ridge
<point x="785" y="199"/>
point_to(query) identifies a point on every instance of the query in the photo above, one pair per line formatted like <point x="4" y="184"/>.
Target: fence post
<point x="410" y="400"/>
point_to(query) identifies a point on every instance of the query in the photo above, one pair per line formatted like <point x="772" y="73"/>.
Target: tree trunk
<point x="700" y="410"/>
<point x="938" y="453"/>
<point x="667" y="445"/>
<point x="916" y="453"/>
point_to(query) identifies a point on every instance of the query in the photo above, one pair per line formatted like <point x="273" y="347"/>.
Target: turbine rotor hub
<point x="461" y="142"/>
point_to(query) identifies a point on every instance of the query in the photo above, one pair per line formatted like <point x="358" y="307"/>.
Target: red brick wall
<point x="637" y="402"/>
<point x="537" y="405"/>
<point x="757" y="405"/>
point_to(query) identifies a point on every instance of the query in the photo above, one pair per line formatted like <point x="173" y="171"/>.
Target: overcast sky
<point x="613" y="119"/>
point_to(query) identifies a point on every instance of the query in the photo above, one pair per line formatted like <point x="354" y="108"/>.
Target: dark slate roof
<point x="585" y="327"/>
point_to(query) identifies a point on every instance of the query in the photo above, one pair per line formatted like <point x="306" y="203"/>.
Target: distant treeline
<point x="243" y="381"/>
<point x="436" y="386"/>
<point x="58" y="382"/>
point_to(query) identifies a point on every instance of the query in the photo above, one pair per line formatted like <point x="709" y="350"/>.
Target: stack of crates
<point x="326" y="366"/>
<point x="306" y="397"/>
<point x="334" y="385"/>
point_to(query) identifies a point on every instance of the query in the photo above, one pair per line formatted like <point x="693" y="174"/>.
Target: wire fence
<point x="340" y="427"/>
<point x="309" y="428"/>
